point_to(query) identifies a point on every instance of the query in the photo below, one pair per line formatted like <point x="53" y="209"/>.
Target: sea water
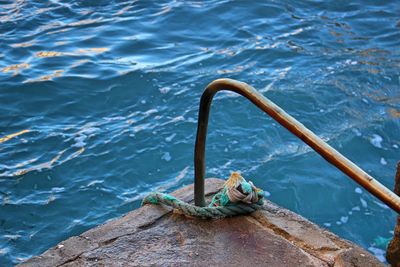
<point x="99" y="102"/>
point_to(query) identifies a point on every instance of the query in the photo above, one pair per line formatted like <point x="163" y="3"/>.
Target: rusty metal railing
<point x="295" y="127"/>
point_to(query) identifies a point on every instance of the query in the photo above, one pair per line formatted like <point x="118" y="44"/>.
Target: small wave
<point x="55" y="161"/>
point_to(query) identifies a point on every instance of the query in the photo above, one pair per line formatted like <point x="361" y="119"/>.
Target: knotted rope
<point x="237" y="197"/>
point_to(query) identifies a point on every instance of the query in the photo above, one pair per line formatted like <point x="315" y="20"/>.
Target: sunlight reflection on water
<point x="99" y="107"/>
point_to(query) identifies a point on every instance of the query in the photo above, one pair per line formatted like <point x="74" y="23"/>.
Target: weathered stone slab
<point x="155" y="236"/>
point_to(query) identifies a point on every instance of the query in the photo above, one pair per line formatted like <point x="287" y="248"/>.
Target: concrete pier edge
<point x="155" y="236"/>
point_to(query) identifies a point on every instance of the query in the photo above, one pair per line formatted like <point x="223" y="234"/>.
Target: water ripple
<point x="99" y="106"/>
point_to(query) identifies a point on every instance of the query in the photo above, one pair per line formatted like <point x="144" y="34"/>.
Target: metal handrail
<point x="295" y="127"/>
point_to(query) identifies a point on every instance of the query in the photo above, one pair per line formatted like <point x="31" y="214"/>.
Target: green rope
<point x="241" y="198"/>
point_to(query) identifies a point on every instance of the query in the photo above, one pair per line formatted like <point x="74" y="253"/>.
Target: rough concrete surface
<point x="156" y="236"/>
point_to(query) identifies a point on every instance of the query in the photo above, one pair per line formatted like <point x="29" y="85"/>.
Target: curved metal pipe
<point x="295" y="127"/>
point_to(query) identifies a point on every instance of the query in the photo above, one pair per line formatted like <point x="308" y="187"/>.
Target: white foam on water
<point x="295" y="32"/>
<point x="150" y="111"/>
<point x="376" y="141"/>
<point x="166" y="156"/>
<point x="357" y="132"/>
<point x="344" y="219"/>
<point x="358" y="190"/>
<point x="3" y="251"/>
<point x="95" y="182"/>
<point x="80" y="141"/>
<point x="169" y="138"/>
<point x="363" y="203"/>
<point x="165" y="89"/>
<point x="350" y="62"/>
<point x="356" y="208"/>
<point x="57" y="189"/>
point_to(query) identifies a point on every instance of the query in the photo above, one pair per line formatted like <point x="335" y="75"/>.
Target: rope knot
<point x="237" y="197"/>
<point x="238" y="189"/>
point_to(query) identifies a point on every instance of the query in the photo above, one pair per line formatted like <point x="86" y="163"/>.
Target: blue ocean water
<point x="99" y="100"/>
